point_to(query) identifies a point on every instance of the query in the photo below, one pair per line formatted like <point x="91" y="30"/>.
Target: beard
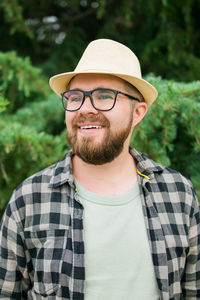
<point x="104" y="151"/>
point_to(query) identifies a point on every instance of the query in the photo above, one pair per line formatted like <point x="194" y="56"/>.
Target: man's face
<point x="111" y="130"/>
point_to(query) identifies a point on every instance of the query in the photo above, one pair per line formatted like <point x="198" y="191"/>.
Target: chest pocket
<point x="47" y="250"/>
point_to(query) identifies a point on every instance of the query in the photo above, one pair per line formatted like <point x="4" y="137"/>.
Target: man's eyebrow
<point x="105" y="88"/>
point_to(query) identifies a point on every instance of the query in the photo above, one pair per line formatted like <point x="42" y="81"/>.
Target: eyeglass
<point x="101" y="99"/>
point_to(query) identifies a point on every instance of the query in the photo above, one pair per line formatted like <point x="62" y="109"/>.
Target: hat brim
<point x="59" y="83"/>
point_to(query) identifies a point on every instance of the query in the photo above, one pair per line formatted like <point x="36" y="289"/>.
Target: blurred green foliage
<point x="20" y="81"/>
<point x="164" y="34"/>
<point x="3" y="103"/>
<point x="39" y="39"/>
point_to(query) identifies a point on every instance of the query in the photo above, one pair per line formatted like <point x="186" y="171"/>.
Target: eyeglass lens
<point x="103" y="99"/>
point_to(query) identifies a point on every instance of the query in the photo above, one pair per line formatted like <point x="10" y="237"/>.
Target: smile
<point x="91" y="127"/>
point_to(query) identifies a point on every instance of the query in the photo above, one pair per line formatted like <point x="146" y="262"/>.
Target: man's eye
<point x="75" y="99"/>
<point x="105" y="96"/>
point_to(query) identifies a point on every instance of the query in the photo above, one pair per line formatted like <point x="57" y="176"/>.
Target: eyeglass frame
<point x="89" y="94"/>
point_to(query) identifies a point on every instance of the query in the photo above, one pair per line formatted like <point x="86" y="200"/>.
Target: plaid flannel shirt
<point x="41" y="238"/>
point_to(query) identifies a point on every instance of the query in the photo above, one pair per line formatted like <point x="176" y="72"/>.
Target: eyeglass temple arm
<point x="130" y="96"/>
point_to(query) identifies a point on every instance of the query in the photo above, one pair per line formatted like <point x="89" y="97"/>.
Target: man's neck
<point x="114" y="178"/>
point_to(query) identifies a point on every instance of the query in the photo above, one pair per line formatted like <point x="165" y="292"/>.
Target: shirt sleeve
<point x="191" y="280"/>
<point x="14" y="279"/>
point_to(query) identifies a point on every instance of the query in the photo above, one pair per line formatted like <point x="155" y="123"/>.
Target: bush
<point x="20" y="82"/>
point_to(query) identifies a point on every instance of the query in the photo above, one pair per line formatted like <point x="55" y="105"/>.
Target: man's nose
<point x="87" y="106"/>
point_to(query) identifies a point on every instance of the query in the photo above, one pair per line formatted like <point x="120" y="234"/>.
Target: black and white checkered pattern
<point x="41" y="237"/>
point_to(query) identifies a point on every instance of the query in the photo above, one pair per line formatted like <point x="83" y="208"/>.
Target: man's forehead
<point x="95" y="78"/>
<point x="91" y="81"/>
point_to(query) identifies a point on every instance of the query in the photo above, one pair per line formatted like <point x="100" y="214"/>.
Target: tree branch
<point x="3" y="172"/>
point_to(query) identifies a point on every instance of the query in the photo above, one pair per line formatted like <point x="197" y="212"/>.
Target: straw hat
<point x="104" y="56"/>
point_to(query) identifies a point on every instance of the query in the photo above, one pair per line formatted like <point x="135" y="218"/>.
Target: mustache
<point x="101" y="119"/>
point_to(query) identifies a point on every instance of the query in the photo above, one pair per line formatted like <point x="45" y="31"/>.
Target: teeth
<point x="90" y="126"/>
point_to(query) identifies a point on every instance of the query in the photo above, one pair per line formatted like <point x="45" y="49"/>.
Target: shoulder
<point x="36" y="191"/>
<point x="173" y="181"/>
<point x="162" y="178"/>
<point x="30" y="184"/>
<point x="171" y="193"/>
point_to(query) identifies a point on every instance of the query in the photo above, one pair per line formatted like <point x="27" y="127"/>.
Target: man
<point x="105" y="222"/>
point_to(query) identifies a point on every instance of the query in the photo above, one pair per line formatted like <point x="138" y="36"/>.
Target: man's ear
<point x="139" y="112"/>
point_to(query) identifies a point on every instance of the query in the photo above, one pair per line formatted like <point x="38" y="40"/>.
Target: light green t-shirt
<point x="118" y="261"/>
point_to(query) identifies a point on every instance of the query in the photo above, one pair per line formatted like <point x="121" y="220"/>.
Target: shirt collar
<point x="62" y="172"/>
<point x="144" y="164"/>
<point x="63" y="169"/>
